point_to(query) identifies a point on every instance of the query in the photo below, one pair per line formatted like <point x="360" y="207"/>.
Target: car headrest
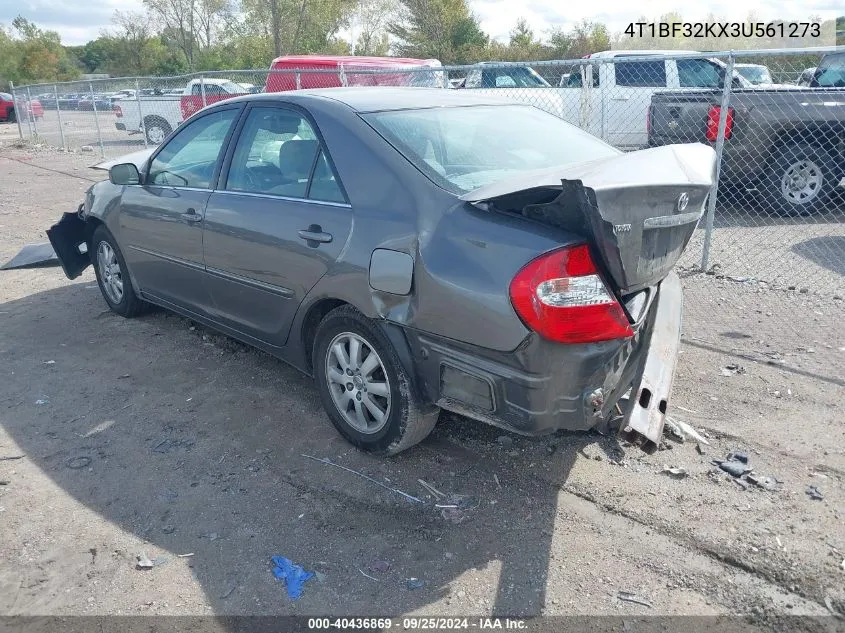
<point x="296" y="158"/>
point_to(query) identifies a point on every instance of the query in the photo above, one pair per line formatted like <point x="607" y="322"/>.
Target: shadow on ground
<point x="194" y="443"/>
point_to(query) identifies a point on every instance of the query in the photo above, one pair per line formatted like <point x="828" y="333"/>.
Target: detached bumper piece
<point x="33" y="256"/>
<point x="69" y="239"/>
<point x="652" y="387"/>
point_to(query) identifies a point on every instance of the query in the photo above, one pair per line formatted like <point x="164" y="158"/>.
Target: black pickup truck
<point x="787" y="143"/>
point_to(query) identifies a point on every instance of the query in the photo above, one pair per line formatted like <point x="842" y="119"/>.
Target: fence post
<point x="97" y="120"/>
<point x="298" y="81"/>
<point x="59" y="116"/>
<point x="140" y="113"/>
<point x="720" y="145"/>
<point x="30" y="109"/>
<point x="17" y="114"/>
<point x="28" y="119"/>
<point x="202" y="90"/>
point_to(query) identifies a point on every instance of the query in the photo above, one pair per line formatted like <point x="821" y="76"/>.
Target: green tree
<point x="441" y="29"/>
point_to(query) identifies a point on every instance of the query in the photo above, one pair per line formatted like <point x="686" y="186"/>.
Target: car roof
<point x="638" y="53"/>
<point x="334" y="60"/>
<point x="378" y="99"/>
<point x="749" y="66"/>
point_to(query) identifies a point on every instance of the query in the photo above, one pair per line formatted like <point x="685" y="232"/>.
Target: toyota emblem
<point x="683" y="201"/>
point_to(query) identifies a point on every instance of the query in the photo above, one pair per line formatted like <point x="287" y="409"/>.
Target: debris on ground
<point x="326" y="460"/>
<point x="676" y="472"/>
<point x="415" y="583"/>
<point x="188" y="555"/>
<point x="814" y="493"/>
<point x="293" y="575"/>
<point x="8" y="458"/>
<point x="732" y="370"/>
<point x="380" y="566"/>
<point x="764" y="482"/>
<point x="629" y="596"/>
<point x="739" y="456"/>
<point x="230" y="589"/>
<point x="700" y="449"/>
<point x="681" y="430"/>
<point x="504" y="440"/>
<point x="732" y="467"/>
<point x="366" y="575"/>
<point x="42" y="401"/>
<point x="144" y="561"/>
<point x="4" y="482"/>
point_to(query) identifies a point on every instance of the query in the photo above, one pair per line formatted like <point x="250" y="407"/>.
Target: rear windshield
<point x="755" y="74"/>
<point x="464" y="148"/>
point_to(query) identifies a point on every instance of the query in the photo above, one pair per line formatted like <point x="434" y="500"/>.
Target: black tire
<point x="789" y="159"/>
<point x="13" y="116"/>
<point x="407" y="422"/>
<point x="129" y="305"/>
<point x="156" y="129"/>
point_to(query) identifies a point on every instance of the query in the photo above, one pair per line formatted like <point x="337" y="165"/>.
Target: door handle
<point x="191" y="215"/>
<point x="314" y="233"/>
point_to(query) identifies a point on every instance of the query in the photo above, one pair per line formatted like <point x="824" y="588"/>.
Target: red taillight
<point x="562" y="297"/>
<point x="118" y="111"/>
<point x="713" y="123"/>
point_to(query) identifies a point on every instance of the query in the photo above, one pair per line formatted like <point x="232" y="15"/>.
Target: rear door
<point x="161" y="220"/>
<point x="626" y="103"/>
<point x="277" y="222"/>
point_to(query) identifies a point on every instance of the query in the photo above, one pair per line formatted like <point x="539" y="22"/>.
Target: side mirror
<point x="124" y="174"/>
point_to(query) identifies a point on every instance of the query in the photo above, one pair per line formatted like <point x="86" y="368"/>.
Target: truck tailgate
<point x="681" y="119"/>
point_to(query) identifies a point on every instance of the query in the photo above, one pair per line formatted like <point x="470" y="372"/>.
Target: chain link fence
<point x="773" y="231"/>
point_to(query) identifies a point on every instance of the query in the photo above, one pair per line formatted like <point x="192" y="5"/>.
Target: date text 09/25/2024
<point x="417" y="623"/>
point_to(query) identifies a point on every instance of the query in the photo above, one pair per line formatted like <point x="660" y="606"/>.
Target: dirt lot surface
<point x="156" y="435"/>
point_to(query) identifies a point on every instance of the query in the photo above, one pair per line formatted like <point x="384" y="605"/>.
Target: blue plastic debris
<point x="293" y="575"/>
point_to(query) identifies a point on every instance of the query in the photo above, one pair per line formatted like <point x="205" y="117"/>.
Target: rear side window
<point x="648" y="74"/>
<point x="831" y="72"/>
<point x="698" y="73"/>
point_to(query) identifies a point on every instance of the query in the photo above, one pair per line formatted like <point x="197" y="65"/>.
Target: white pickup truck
<point x="156" y="113"/>
<point x="606" y="98"/>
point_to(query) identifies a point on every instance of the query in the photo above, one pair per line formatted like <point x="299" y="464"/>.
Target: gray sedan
<point x="414" y="250"/>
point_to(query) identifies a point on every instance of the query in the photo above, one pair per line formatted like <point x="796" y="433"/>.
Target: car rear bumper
<point x="542" y="387"/>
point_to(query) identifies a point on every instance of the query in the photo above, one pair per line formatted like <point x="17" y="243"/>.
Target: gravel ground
<point x="156" y="435"/>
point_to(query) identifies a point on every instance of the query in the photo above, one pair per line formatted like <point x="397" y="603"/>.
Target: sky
<point x="78" y="21"/>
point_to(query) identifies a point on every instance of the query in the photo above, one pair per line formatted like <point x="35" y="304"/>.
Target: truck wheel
<point x="363" y="386"/>
<point x="156" y="129"/>
<point x="112" y="275"/>
<point x="800" y="180"/>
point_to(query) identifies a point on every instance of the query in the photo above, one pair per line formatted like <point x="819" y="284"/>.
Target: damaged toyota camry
<point x="414" y="250"/>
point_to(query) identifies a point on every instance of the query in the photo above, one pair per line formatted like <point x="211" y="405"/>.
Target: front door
<point x="161" y="219"/>
<point x="277" y="222"/>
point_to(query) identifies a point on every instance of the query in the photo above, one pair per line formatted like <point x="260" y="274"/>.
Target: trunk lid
<point x="639" y="210"/>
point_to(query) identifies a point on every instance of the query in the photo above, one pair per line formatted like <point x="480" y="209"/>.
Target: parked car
<point x="69" y="101"/>
<point x="332" y="71"/>
<point x="411" y="257"/>
<point x="8" y="111"/>
<point x="7" y="107"/>
<point x="788" y="144"/>
<point x="756" y="74"/>
<point x="102" y="102"/>
<point x="609" y="99"/>
<point x="47" y="100"/>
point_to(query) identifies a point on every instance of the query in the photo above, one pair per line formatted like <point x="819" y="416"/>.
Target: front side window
<point x="512" y="77"/>
<point x="189" y="158"/>
<point x="648" y="74"/>
<point x="277" y="153"/>
<point x="463" y="148"/>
